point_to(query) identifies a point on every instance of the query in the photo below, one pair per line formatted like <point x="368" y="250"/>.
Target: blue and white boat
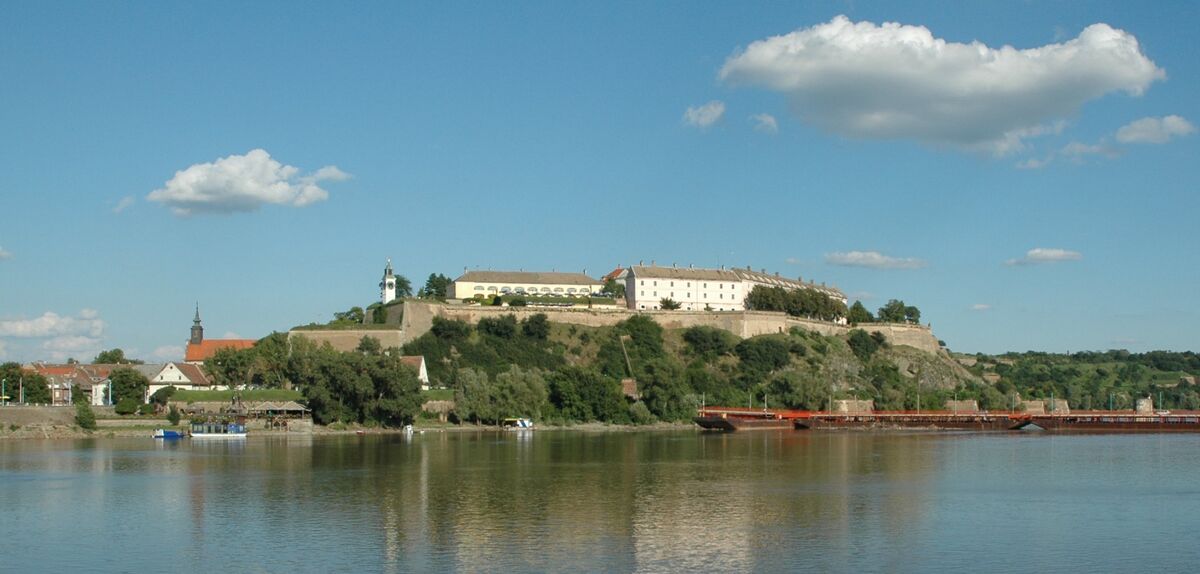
<point x="168" y="434"/>
<point x="218" y="429"/>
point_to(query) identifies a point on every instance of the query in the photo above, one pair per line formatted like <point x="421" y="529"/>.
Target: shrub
<point x="161" y="395"/>
<point x="504" y="327"/>
<point x="640" y="413"/>
<point x="537" y="327"/>
<point x="709" y="341"/>
<point x="84" y="417"/>
<point x="126" y="406"/>
<point x="862" y="344"/>
<point x="146" y="409"/>
<point x="173" y="416"/>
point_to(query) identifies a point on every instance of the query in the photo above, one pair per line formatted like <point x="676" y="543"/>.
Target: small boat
<point x="218" y="429"/>
<point x="168" y="434"/>
<point x="517" y="424"/>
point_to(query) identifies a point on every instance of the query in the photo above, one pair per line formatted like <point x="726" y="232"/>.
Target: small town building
<point x="486" y="284"/>
<point x="417" y="362"/>
<point x="200" y="349"/>
<point x="182" y="376"/>
<point x="65" y="379"/>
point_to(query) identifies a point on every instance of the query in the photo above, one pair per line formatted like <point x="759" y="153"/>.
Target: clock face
<point x="389" y="285"/>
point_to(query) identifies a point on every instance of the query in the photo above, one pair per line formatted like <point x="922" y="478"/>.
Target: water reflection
<point x="571" y="501"/>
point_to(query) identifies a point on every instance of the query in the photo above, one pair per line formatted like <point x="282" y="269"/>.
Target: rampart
<point x="418" y="318"/>
<point x="348" y="339"/>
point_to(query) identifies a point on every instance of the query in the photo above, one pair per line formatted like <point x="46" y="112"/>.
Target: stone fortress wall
<point x="418" y="319"/>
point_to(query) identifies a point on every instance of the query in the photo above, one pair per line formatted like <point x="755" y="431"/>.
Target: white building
<point x="387" y="286"/>
<point x="183" y="376"/>
<point x="705" y="289"/>
<point x="693" y="289"/>
<point x="491" y="283"/>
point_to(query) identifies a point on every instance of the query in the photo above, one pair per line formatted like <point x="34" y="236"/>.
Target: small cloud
<point x="1154" y="130"/>
<point x="167" y="353"/>
<point x="242" y="183"/>
<point x="51" y="324"/>
<point x="231" y="335"/>
<point x="705" y="115"/>
<point x="792" y="261"/>
<point x="1077" y="151"/>
<point x="1039" y="255"/>
<point x="123" y="204"/>
<point x="5" y="254"/>
<point x="765" y="123"/>
<point x="980" y="307"/>
<point x="1034" y="163"/>
<point x="872" y="260"/>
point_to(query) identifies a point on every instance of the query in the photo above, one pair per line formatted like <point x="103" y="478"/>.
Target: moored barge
<point x="1110" y="421"/>
<point x="975" y="421"/>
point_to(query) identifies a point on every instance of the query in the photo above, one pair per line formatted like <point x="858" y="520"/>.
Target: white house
<point x="182" y="376"/>
<point x="418" y="362"/>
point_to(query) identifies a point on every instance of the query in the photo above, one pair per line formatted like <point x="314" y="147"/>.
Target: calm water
<point x="616" y="502"/>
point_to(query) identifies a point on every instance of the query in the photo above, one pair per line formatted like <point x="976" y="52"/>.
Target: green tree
<point x="537" y="326"/>
<point x="163" y="395"/>
<point x="403" y="287"/>
<point x="912" y="314"/>
<point x="114" y="357"/>
<point x="173" y="416"/>
<point x="233" y="368"/>
<point x="613" y="288"/>
<point x="436" y="287"/>
<point x="450" y="329"/>
<point x="84" y="417"/>
<point x="369" y="345"/>
<point x="859" y="314"/>
<point x="128" y="384"/>
<point x="763" y="354"/>
<point x="798" y="390"/>
<point x="126" y="406"/>
<point x="668" y="304"/>
<point x="894" y="311"/>
<point x="354" y="316"/>
<point x="504" y="327"/>
<point x="709" y="342"/>
<point x="862" y="344"/>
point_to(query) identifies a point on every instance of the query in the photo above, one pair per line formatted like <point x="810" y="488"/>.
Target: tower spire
<point x="197" y="329"/>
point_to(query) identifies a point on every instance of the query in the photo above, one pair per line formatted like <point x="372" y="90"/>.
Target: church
<point x="200" y="349"/>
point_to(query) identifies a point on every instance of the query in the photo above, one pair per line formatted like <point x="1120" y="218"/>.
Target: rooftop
<point x="528" y="278"/>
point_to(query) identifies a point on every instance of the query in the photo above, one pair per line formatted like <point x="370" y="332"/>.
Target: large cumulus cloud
<point x="892" y="81"/>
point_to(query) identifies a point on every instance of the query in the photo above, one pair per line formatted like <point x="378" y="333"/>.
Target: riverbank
<point x="59" y="431"/>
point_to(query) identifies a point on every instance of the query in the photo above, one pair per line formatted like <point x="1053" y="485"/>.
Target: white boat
<point x="218" y="429"/>
<point x="517" y="424"/>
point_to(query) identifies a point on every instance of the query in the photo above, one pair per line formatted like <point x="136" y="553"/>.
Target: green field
<point x="225" y="396"/>
<point x="438" y="395"/>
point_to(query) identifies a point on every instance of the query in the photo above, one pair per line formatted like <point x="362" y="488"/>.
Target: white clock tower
<point x="387" y="286"/>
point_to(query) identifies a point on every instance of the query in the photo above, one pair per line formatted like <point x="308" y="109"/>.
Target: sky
<point x="1023" y="172"/>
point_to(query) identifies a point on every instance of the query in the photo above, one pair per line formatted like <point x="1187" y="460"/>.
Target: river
<point x="567" y="501"/>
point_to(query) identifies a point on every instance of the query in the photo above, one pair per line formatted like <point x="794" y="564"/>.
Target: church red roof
<point x="208" y="347"/>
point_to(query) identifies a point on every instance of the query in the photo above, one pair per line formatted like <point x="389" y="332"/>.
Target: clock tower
<point x="387" y="286"/>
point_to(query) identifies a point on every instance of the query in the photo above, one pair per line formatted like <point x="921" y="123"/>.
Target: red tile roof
<point x="208" y="347"/>
<point x="413" y="361"/>
<point x="194" y="374"/>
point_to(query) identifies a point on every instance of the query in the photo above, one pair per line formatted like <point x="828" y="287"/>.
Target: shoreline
<point x="58" y="432"/>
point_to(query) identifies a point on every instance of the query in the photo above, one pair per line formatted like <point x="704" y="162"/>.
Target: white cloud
<point x="51" y="324"/>
<point x="705" y="115"/>
<point x="765" y="123"/>
<point x="872" y="260"/>
<point x="168" y="353"/>
<point x="1034" y="163"/>
<point x="792" y="261"/>
<point x="241" y="183"/>
<point x="231" y="335"/>
<point x="896" y="81"/>
<point x="1040" y="255"/>
<point x="980" y="307"/>
<point x="124" y="204"/>
<point x="5" y="254"/>
<point x="1077" y="151"/>
<point x="59" y="349"/>
<point x="1154" y="130"/>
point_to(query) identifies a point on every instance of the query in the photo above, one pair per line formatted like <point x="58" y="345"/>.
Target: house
<point x="182" y="376"/>
<point x="200" y="349"/>
<point x="491" y="283"/>
<point x="418" y="362"/>
<point x="92" y="380"/>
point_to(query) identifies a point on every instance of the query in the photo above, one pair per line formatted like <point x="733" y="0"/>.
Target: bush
<point x="84" y="417"/>
<point x="709" y="341"/>
<point x="504" y="327"/>
<point x="146" y="409"/>
<point x="173" y="416"/>
<point x="640" y="413"/>
<point x="161" y="395"/>
<point x="862" y="344"/>
<point x="537" y="327"/>
<point x="126" y="406"/>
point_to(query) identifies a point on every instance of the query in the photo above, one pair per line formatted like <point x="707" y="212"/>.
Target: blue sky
<point x="1039" y="197"/>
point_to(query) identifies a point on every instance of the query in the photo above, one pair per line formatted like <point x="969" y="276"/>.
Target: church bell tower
<point x="387" y="286"/>
<point x="197" y="330"/>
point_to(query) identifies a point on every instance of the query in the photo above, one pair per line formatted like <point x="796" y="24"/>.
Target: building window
<point x="479" y="287"/>
<point x="642" y="294"/>
<point x="689" y="295"/>
<point x="656" y="283"/>
<point x="672" y="283"/>
<point x="655" y="294"/>
<point x="643" y="282"/>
